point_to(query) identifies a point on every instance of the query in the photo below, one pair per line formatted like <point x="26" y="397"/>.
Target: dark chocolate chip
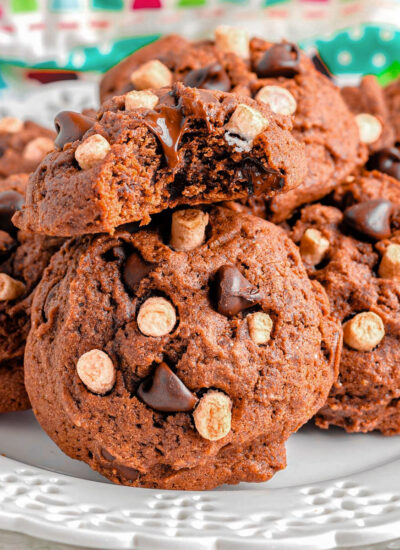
<point x="279" y="60"/>
<point x="234" y="292"/>
<point x="10" y="202"/>
<point x="49" y="300"/>
<point x="387" y="161"/>
<point x="129" y="473"/>
<point x="134" y="270"/>
<point x="261" y="180"/>
<point x="165" y="392"/>
<point x="168" y="125"/>
<point x="108" y="456"/>
<point x="371" y="218"/>
<point x="320" y="66"/>
<point x="212" y="77"/>
<point x="70" y="127"/>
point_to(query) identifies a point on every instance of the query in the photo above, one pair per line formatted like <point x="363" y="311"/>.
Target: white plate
<point x="338" y="491"/>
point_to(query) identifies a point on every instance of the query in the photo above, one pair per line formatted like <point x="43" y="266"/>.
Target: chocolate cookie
<point x="22" y="145"/>
<point x="23" y="258"/>
<point x="354" y="252"/>
<point x="152" y="150"/>
<point x="289" y="83"/>
<point x="219" y="65"/>
<point x="367" y="102"/>
<point x="181" y="356"/>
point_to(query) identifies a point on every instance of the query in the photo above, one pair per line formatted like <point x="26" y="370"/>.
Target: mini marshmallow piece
<point x="10" y="125"/>
<point x="91" y="151"/>
<point x="232" y="40"/>
<point x="260" y="327"/>
<point x="369" y="127"/>
<point x="247" y="123"/>
<point x="364" y="331"/>
<point x="313" y="246"/>
<point x="152" y="74"/>
<point x="188" y="229"/>
<point x="140" y="99"/>
<point x="37" y="149"/>
<point x="10" y="289"/>
<point x="279" y="99"/>
<point x="156" y="317"/>
<point x="213" y="415"/>
<point x="389" y="267"/>
<point x="97" y="371"/>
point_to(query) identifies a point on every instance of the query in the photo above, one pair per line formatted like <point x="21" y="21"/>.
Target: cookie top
<point x="288" y="81"/>
<point x="202" y="64"/>
<point x="354" y="252"/>
<point x="23" y="258"/>
<point x="148" y="151"/>
<point x="22" y="145"/>
<point x="367" y="101"/>
<point x="173" y="356"/>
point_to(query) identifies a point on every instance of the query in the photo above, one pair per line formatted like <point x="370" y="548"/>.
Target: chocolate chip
<point x="129" y="473"/>
<point x="165" y="392"/>
<point x="234" y="292"/>
<point x="261" y="180"/>
<point x="371" y="218"/>
<point x="280" y="60"/>
<point x="10" y="202"/>
<point x="134" y="270"/>
<point x="387" y="161"/>
<point x="212" y="77"/>
<point x="70" y="127"/>
<point x="108" y="456"/>
<point x="320" y="66"/>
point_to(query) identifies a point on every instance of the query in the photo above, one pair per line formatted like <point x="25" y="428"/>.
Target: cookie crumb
<point x="364" y="331"/>
<point x="96" y="371"/>
<point x="313" y="246"/>
<point x="156" y="317"/>
<point x="92" y="151"/>
<point x="188" y="229"/>
<point x="37" y="149"/>
<point x="213" y="415"/>
<point x="369" y="126"/>
<point x="279" y="99"/>
<point x="260" y="327"/>
<point x="152" y="74"/>
<point x="143" y="99"/>
<point x="232" y="40"/>
<point x="389" y="267"/>
<point x="10" y="289"/>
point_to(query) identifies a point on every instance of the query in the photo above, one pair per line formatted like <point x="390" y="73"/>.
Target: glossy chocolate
<point x="234" y="292"/>
<point x="10" y="202"/>
<point x="134" y="270"/>
<point x="280" y="60"/>
<point x="212" y="77"/>
<point x="371" y="218"/>
<point x="70" y="127"/>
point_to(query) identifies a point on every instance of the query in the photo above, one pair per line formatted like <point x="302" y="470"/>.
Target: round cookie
<point x="205" y="64"/>
<point x="181" y="356"/>
<point x="23" y="258"/>
<point x="22" y="145"/>
<point x="288" y="82"/>
<point x="354" y="252"/>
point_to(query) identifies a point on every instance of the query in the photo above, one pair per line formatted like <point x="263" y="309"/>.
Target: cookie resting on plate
<point x="354" y="252"/>
<point x="23" y="258"/>
<point x="181" y="356"/>
<point x="149" y="151"/>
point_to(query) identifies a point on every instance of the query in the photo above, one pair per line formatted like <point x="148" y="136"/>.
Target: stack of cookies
<point x="215" y="230"/>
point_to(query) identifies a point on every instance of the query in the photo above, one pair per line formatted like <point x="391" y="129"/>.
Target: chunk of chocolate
<point x="212" y="77"/>
<point x="134" y="270"/>
<point x="165" y="392"/>
<point x="234" y="292"/>
<point x="70" y="127"/>
<point x="387" y="161"/>
<point x="279" y="60"/>
<point x="371" y="218"/>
